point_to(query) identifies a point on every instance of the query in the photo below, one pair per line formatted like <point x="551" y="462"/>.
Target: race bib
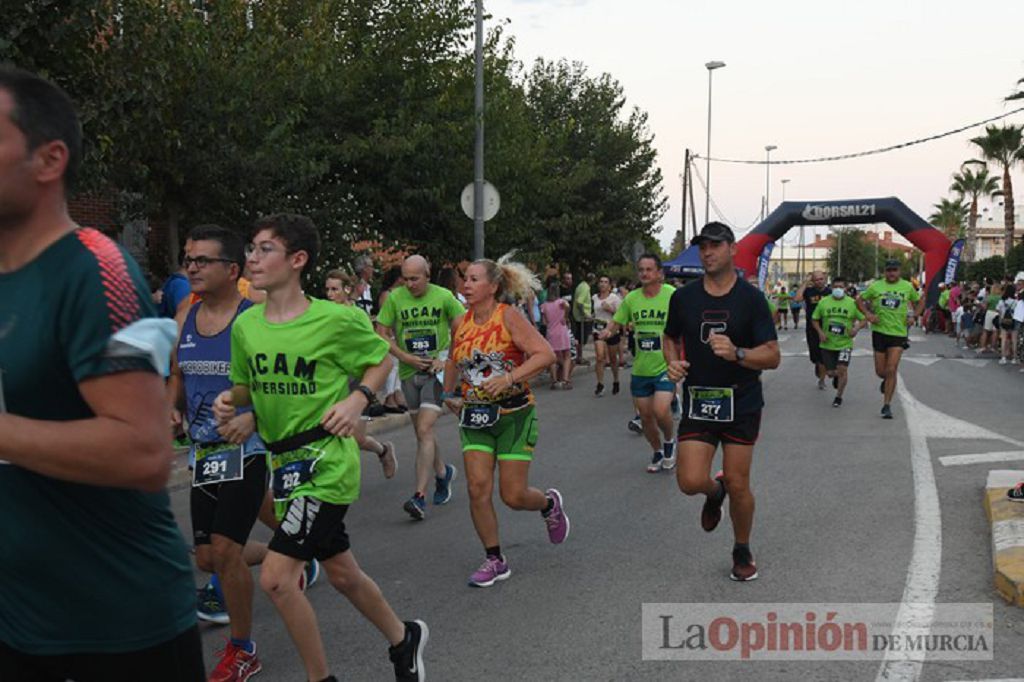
<point x="599" y="326"/>
<point x="290" y="476"/>
<point x="837" y="329"/>
<point x="479" y="416"/>
<point x="891" y="302"/>
<point x="424" y="344"/>
<point x="217" y="463"/>
<point x="649" y="343"/>
<point x="711" y="404"/>
<point x="845" y="355"/>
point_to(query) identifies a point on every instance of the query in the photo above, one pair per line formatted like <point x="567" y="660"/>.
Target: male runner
<point x="647" y="309"/>
<point x="809" y="293"/>
<point x="291" y="358"/>
<point x="417" y="320"/>
<point x="229" y="478"/>
<point x="96" y="578"/>
<point x="719" y="336"/>
<point x="836" y="320"/>
<point x="884" y="303"/>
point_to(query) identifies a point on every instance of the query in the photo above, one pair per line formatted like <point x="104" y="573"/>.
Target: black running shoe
<point x="886" y="412"/>
<point x="838" y="402"/>
<point x="635" y="426"/>
<point x="743" y="566"/>
<point x="599" y="391"/>
<point x="407" y="656"/>
<point x="615" y="388"/>
<point x="711" y="514"/>
<point x="881" y="388"/>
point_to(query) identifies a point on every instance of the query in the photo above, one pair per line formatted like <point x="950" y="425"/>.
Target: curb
<point x="1007" y="521"/>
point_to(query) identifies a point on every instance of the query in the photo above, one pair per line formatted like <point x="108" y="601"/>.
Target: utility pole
<point x="686" y="183"/>
<point x="478" y="159"/>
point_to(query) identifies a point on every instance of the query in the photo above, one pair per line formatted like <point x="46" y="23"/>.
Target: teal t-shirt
<point x="84" y="568"/>
<point x="422" y="325"/>
<point x="648" y="317"/>
<point x="837" y="318"/>
<point x="295" y="372"/>
<point x="889" y="303"/>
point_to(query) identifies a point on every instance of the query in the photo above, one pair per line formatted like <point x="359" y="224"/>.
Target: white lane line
<point x="917" y="609"/>
<point x="1007" y="534"/>
<point x="1001" y="679"/>
<point x="982" y="458"/>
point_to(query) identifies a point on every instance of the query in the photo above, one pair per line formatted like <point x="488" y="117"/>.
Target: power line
<point x="721" y="216"/>
<point x="843" y="157"/>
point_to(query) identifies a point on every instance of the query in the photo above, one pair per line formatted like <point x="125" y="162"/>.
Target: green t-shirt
<point x="889" y="303"/>
<point x="771" y="304"/>
<point x="582" y="304"/>
<point x="648" y="317"/>
<point x="422" y="325"/>
<point x="991" y="302"/>
<point x="84" y="568"/>
<point x="783" y="298"/>
<point x="944" y="300"/>
<point x="296" y="371"/>
<point x="837" y="317"/>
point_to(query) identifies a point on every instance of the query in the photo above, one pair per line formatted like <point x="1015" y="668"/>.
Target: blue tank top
<point x="205" y="363"/>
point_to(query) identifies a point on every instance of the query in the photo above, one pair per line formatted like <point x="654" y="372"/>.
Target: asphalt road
<point x="835" y="523"/>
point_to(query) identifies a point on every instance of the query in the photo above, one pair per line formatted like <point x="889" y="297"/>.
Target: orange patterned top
<point x="482" y="351"/>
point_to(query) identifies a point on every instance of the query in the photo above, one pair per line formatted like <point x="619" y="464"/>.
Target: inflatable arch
<point x="913" y="227"/>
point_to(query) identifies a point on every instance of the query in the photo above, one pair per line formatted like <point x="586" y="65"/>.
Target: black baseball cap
<point x="714" y="232"/>
<point x="892" y="264"/>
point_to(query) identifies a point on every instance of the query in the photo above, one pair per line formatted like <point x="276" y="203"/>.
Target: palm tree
<point x="968" y="183"/>
<point x="949" y="217"/>
<point x="1003" y="146"/>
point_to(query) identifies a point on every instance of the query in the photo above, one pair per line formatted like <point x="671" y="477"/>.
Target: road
<point x="850" y="509"/>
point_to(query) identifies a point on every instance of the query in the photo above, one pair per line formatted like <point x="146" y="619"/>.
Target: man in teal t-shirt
<point x="417" y="321"/>
<point x="885" y="303"/>
<point x="292" y="359"/>
<point x="837" y="319"/>
<point x="646" y="309"/>
<point x="96" y="579"/>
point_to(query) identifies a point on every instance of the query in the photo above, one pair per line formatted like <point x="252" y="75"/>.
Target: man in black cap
<point x="885" y="304"/>
<point x="718" y="338"/>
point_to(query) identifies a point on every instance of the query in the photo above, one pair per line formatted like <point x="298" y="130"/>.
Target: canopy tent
<point x="686" y="264"/>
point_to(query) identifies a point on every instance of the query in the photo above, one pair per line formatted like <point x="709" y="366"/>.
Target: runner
<point x="291" y="359"/>
<point x="782" y="303"/>
<point x="719" y="337"/>
<point x="97" y="581"/>
<point x="416" y="319"/>
<point x="836" y="320"/>
<point x="647" y="309"/>
<point x="229" y="478"/>
<point x="338" y="288"/>
<point x="884" y="304"/>
<point x="810" y="292"/>
<point x="605" y="303"/>
<point x="495" y="352"/>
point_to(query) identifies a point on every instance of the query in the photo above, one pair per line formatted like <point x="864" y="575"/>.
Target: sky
<point x="813" y="77"/>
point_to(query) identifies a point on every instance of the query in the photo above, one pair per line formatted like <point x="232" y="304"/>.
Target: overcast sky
<point x="814" y="77"/>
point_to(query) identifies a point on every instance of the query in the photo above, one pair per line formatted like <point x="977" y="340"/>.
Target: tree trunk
<point x="972" y="230"/>
<point x="1008" y="223"/>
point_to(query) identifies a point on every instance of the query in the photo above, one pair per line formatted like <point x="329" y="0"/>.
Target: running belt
<point x="298" y="440"/>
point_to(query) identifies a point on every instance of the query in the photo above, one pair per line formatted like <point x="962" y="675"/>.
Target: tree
<point x="949" y="217"/>
<point x="1003" y="146"/>
<point x="975" y="185"/>
<point x="993" y="267"/>
<point x="852" y="255"/>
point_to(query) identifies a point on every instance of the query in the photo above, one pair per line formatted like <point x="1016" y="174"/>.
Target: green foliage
<point x="987" y="267"/>
<point x="949" y="216"/>
<point x="852" y="256"/>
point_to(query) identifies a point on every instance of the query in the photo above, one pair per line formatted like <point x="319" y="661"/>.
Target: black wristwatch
<point x="365" y="390"/>
<point x="741" y="355"/>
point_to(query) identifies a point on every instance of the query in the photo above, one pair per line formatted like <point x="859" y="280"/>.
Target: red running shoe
<point x="236" y="665"/>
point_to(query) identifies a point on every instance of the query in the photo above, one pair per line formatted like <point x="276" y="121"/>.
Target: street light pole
<point x="710" y="66"/>
<point x="478" y="159"/>
<point x="767" y="178"/>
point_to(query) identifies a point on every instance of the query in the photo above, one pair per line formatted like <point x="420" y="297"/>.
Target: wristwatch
<point x="365" y="390"/>
<point x="741" y="355"/>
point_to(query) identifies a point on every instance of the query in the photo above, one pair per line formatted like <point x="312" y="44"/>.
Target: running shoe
<point x="668" y="460"/>
<point x="388" y="459"/>
<point x="556" y="520"/>
<point x="443" y="485"/>
<point x="886" y="412"/>
<point x="711" y="514"/>
<point x="677" y="409"/>
<point x="493" y="569"/>
<point x="881" y="387"/>
<point x="1016" y="493"/>
<point x="407" y="655"/>
<point x="743" y="566"/>
<point x="838" y="402"/>
<point x="209" y="607"/>
<point x="821" y="384"/>
<point x="235" y="665"/>
<point x="615" y="388"/>
<point x="635" y="425"/>
<point x="599" y="391"/>
<point x="416" y="507"/>
<point x="655" y="466"/>
<point x="310" y="574"/>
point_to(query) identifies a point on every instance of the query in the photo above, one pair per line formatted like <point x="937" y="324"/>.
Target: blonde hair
<point x="513" y="279"/>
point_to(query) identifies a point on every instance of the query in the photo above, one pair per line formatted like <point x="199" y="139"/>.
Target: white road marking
<point x="926" y="361"/>
<point x="1008" y="534"/>
<point x="972" y="363"/>
<point x="982" y="458"/>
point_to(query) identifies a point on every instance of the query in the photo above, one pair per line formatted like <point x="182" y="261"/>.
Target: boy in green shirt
<point x="292" y="359"/>
<point x="837" y="319"/>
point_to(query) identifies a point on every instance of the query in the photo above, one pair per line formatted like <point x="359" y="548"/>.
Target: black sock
<point x="551" y="505"/>
<point x="330" y="678"/>
<point x="494" y="551"/>
<point x="740" y="546"/>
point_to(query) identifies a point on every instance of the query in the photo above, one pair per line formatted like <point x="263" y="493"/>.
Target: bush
<point x="993" y="267"/>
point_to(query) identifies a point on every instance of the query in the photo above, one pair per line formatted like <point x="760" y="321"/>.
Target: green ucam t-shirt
<point x="85" y="568"/>
<point x="648" y="317"/>
<point x="889" y="303"/>
<point x="422" y="325"/>
<point x="295" y="372"/>
<point x="944" y="299"/>
<point x="837" y="317"/>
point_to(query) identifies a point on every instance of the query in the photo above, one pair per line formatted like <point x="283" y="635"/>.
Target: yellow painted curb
<point x="1006" y="522"/>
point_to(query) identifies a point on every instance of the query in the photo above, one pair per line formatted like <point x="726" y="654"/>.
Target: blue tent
<point x="686" y="264"/>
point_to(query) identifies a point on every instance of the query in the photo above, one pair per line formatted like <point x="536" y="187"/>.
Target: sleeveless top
<point x="484" y="350"/>
<point x="205" y="362"/>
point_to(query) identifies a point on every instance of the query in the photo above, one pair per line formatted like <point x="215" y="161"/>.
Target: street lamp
<point x="767" y="177"/>
<point x="710" y="66"/>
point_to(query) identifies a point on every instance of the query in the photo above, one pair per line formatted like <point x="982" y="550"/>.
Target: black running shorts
<point x="813" y="344"/>
<point x="230" y="509"/>
<point x="743" y="430"/>
<point x="311" y="529"/>
<point x="883" y="342"/>
<point x="834" y="358"/>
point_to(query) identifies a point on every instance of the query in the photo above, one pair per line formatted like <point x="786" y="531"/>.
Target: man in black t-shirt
<point x="718" y="338"/>
<point x="812" y="291"/>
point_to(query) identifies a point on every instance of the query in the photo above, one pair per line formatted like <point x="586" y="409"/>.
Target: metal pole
<point x="767" y="179"/>
<point x="686" y="182"/>
<point x="478" y="160"/>
<point x="839" y="256"/>
<point x="707" y="159"/>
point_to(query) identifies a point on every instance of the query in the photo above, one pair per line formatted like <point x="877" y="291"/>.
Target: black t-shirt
<point x="812" y="295"/>
<point x="743" y="316"/>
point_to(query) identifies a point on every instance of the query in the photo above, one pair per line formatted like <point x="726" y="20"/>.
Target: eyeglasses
<point x="202" y="261"/>
<point x="260" y="251"/>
